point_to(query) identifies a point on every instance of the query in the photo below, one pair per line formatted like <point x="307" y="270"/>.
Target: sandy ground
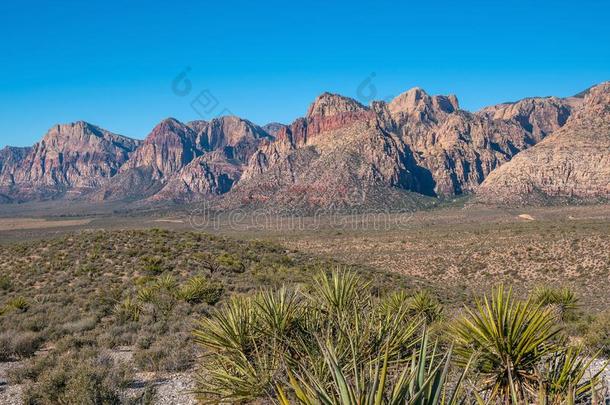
<point x="8" y="224"/>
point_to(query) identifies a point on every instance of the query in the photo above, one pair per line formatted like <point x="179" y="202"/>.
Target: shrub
<point x="153" y="264"/>
<point x="5" y="283"/>
<point x="77" y="378"/>
<point x="172" y="353"/>
<point x="25" y="344"/>
<point x="598" y="333"/>
<point x="17" y="345"/>
<point x="230" y="262"/>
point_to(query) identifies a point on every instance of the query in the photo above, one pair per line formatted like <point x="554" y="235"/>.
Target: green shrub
<point x="172" y="353"/>
<point x="598" y="333"/>
<point x="230" y="262"/>
<point x="5" y="283"/>
<point x="19" y="304"/>
<point x="198" y="289"/>
<point x="153" y="264"/>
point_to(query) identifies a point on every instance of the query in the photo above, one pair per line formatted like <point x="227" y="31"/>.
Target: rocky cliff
<point x="342" y="150"/>
<point x="417" y="147"/>
<point x="573" y="163"/>
<point x="70" y="157"/>
<point x="186" y="162"/>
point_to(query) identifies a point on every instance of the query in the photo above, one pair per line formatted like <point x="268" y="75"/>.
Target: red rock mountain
<point x="573" y="163"/>
<point x="342" y="152"/>
<point x="10" y="158"/>
<point x="410" y="150"/>
<point x="184" y="162"/>
<point x="227" y="144"/>
<point x="70" y="158"/>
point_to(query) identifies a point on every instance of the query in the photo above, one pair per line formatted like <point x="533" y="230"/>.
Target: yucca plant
<point x="20" y="304"/>
<point x="395" y="301"/>
<point x="166" y="282"/>
<point x="128" y="309"/>
<point x="238" y="365"/>
<point x="234" y="377"/>
<point x="563" y="301"/>
<point x="199" y="289"/>
<point x="338" y="292"/>
<point x="422" y="381"/>
<point x="230" y="328"/>
<point x="508" y="338"/>
<point x="279" y="312"/>
<point x="423" y="304"/>
<point x="146" y="295"/>
<point x="250" y="342"/>
<point x="566" y="378"/>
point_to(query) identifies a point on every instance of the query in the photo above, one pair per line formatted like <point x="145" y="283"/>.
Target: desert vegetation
<point x="99" y="316"/>
<point x="125" y="303"/>
<point x="336" y="343"/>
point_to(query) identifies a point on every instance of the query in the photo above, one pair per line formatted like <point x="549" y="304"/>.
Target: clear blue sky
<point x="112" y="63"/>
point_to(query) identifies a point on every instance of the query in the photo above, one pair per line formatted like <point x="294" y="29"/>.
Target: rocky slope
<point x="10" y="158"/>
<point x="571" y="164"/>
<point x="343" y="153"/>
<point x="70" y="158"/>
<point x="459" y="149"/>
<point x="186" y="162"/>
<point x="409" y="151"/>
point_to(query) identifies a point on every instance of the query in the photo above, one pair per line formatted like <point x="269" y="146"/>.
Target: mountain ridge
<point x="416" y="143"/>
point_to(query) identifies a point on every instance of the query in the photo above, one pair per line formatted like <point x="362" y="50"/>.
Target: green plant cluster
<point x="337" y="343"/>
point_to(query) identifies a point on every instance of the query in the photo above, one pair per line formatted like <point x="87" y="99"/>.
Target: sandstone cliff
<point x="70" y="158"/>
<point x="571" y="164"/>
<point x="411" y="150"/>
<point x="342" y="151"/>
<point x="186" y="162"/>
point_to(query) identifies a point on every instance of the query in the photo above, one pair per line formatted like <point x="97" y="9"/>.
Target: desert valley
<point x="404" y="252"/>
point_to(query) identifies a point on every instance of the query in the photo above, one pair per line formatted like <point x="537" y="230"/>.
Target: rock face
<point x="573" y="163"/>
<point x="342" y="150"/>
<point x="273" y="128"/>
<point x="460" y="149"/>
<point x="186" y="162"/>
<point x="72" y="157"/>
<point x="410" y="150"/>
<point x="168" y="148"/>
<point x="10" y="159"/>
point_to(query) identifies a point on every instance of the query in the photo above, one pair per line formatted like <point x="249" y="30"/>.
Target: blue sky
<point x="113" y="63"/>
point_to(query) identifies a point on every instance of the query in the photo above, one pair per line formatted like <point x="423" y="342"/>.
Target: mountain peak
<point x="72" y="127"/>
<point x="329" y="104"/>
<point x="416" y="99"/>
<point x="83" y="135"/>
<point x="598" y="95"/>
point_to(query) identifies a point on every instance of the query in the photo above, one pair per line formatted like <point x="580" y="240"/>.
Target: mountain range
<point x="414" y="149"/>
